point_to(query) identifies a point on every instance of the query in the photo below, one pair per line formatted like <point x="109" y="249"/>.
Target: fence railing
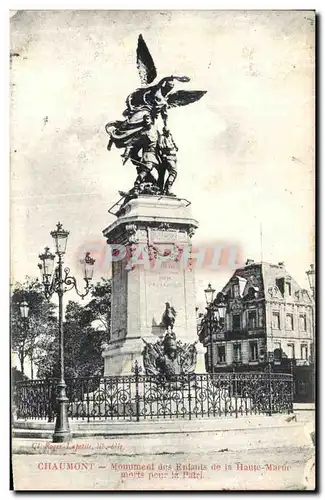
<point x="143" y="397"/>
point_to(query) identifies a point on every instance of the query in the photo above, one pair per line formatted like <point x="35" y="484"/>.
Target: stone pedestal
<point x="150" y="245"/>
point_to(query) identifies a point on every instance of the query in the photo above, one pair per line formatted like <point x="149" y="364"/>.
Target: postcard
<point x="163" y="299"/>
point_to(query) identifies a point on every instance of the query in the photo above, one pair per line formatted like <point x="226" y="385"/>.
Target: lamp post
<point x="60" y="282"/>
<point x="220" y="308"/>
<point x="209" y="296"/>
<point x="24" y="311"/>
<point x="311" y="280"/>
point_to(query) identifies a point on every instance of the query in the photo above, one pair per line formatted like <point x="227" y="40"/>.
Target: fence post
<point x="235" y="390"/>
<point x="15" y="401"/>
<point x="136" y="369"/>
<point x="49" y="404"/>
<point x="52" y="399"/>
<point x="270" y="389"/>
<point x="292" y="381"/>
<point x="189" y="397"/>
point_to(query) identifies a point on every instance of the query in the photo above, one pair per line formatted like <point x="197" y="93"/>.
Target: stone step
<point x="264" y="437"/>
<point x="41" y="428"/>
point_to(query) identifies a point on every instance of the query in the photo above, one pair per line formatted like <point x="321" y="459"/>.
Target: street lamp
<point x="57" y="282"/>
<point x="221" y="307"/>
<point x="311" y="279"/>
<point x="24" y="311"/>
<point x="209" y="296"/>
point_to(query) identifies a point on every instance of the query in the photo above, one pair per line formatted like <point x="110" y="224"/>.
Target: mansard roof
<point x="262" y="280"/>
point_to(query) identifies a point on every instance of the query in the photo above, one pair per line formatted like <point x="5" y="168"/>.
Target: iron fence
<point x="143" y="397"/>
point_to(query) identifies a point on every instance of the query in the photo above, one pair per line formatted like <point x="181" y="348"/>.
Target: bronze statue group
<point x="149" y="147"/>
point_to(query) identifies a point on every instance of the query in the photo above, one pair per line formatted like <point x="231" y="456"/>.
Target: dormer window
<point x="236" y="322"/>
<point x="280" y="284"/>
<point x="251" y="293"/>
<point x="235" y="290"/>
<point x="288" y="288"/>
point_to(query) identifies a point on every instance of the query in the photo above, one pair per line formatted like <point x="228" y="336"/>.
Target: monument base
<point x="151" y="245"/>
<point x="119" y="357"/>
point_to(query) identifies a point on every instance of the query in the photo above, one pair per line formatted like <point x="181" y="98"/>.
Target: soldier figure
<point x="167" y="151"/>
<point x="147" y="144"/>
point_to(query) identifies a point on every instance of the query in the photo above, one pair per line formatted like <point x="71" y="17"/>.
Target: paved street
<point x="273" y="468"/>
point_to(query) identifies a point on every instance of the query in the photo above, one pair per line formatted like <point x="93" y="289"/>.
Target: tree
<point x="82" y="342"/>
<point x="27" y="335"/>
<point x="86" y="328"/>
<point x="99" y="307"/>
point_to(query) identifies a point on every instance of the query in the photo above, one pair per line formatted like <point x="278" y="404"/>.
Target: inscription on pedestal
<point x="161" y="288"/>
<point x="163" y="236"/>
<point x="164" y="282"/>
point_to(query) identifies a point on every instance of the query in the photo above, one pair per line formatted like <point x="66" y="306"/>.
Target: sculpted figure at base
<point x="144" y="134"/>
<point x="169" y="357"/>
<point x="168" y="317"/>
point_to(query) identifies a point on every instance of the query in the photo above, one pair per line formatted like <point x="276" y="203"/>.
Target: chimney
<point x="281" y="264"/>
<point x="249" y="262"/>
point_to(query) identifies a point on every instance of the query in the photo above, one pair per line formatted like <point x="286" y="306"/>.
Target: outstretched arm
<point x="174" y="78"/>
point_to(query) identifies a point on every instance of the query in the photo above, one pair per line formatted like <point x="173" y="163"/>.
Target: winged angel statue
<point x="144" y="134"/>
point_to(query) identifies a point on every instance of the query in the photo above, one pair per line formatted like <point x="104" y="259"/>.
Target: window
<point x="289" y="321"/>
<point x="276" y="320"/>
<point x="221" y="353"/>
<point x="236" y="291"/>
<point x="288" y="288"/>
<point x="236" y="321"/>
<point x="253" y="351"/>
<point x="252" y="319"/>
<point x="261" y="317"/>
<point x="291" y="351"/>
<point x="277" y="351"/>
<point x="237" y="352"/>
<point x="302" y="323"/>
<point x="280" y="284"/>
<point x="304" y="351"/>
<point x="250" y="295"/>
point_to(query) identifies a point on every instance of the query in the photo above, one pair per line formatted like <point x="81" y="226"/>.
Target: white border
<point x="4" y="180"/>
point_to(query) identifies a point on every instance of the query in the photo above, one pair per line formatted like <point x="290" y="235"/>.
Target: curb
<point x="46" y="434"/>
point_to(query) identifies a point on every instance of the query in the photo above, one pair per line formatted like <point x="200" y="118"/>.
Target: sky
<point x="246" y="149"/>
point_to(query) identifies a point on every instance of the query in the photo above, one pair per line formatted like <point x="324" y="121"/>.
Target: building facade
<point x="269" y="318"/>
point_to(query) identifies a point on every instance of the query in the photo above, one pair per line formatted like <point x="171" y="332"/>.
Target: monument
<point x="153" y="281"/>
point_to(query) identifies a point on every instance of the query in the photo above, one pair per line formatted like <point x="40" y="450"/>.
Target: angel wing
<point x="184" y="97"/>
<point x="146" y="66"/>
